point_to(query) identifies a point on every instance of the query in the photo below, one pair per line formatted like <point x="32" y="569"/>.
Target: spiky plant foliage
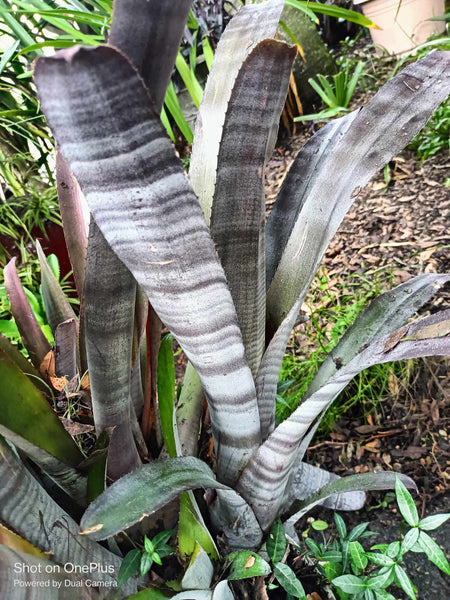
<point x="227" y="285"/>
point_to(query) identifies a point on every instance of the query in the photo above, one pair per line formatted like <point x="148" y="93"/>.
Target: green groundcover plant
<point x="226" y="284"/>
<point x="360" y="574"/>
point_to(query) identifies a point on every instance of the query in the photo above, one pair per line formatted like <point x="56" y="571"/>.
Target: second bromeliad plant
<point x="228" y="285"/>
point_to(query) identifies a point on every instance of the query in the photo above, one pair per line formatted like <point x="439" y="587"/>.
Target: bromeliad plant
<point x="227" y="285"/>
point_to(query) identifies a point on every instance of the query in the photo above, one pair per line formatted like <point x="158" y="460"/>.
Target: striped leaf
<point x="66" y="338"/>
<point x="307" y="480"/>
<point x="144" y="491"/>
<point x="377" y="133"/>
<point x="66" y="477"/>
<point x="382" y="480"/>
<point x="386" y="312"/>
<point x="238" y="209"/>
<point x="35" y="516"/>
<point x="144" y="206"/>
<point x="108" y="325"/>
<point x="264" y="481"/>
<point x="149" y="33"/>
<point x="311" y="204"/>
<point x="252" y="24"/>
<point x="33" y="339"/>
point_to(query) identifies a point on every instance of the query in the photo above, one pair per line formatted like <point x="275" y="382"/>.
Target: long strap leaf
<point x="380" y="130"/>
<point x="73" y="218"/>
<point x="142" y="202"/>
<point x="263" y="482"/>
<point x="355" y="148"/>
<point x="383" y="480"/>
<point x="383" y="315"/>
<point x="238" y="210"/>
<point x="57" y="307"/>
<point x="252" y="24"/>
<point x="33" y="339"/>
<point x="109" y="320"/>
<point x="149" y="33"/>
<point x="68" y="478"/>
<point x="143" y="492"/>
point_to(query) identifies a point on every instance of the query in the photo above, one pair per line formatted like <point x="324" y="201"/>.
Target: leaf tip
<point x="92" y="529"/>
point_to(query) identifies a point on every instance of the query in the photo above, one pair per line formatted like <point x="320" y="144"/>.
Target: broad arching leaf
<point x="108" y="329"/>
<point x="149" y="33"/>
<point x="145" y="208"/>
<point x="238" y="209"/>
<point x="264" y="481"/>
<point x="252" y="24"/>
<point x="379" y="131"/>
<point x="144" y="491"/>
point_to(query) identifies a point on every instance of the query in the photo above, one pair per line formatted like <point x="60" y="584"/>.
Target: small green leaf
<point x="345" y="554"/>
<point x="393" y="550"/>
<point x="433" y="522"/>
<point x="288" y="580"/>
<point x="357" y="531"/>
<point x="382" y="580"/>
<point x="313" y="547"/>
<point x="406" y="503"/>
<point x="340" y="526"/>
<point x="358" y="556"/>
<point x="156" y="557"/>
<point x="369" y="595"/>
<point x="276" y="542"/>
<point x="409" y="540"/>
<point x="148" y="545"/>
<point x="331" y="570"/>
<point x="383" y="595"/>
<point x="433" y="552"/>
<point x="146" y="563"/>
<point x="382" y="547"/>
<point x="162" y="538"/>
<point x="332" y="555"/>
<point x="319" y="525"/>
<point x="129" y="566"/>
<point x="246" y="564"/>
<point x="350" y="584"/>
<point x="404" y="582"/>
<point x="380" y="559"/>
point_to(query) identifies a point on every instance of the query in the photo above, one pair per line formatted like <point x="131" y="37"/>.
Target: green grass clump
<point x="332" y="309"/>
<point x="435" y="136"/>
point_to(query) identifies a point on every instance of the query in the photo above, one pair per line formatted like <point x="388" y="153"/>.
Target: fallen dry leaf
<point x="395" y="338"/>
<point x="249" y="562"/>
<point x="75" y="428"/>
<point x="432" y="331"/>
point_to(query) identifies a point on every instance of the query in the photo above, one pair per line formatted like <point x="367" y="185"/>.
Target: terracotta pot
<point x="403" y="31"/>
